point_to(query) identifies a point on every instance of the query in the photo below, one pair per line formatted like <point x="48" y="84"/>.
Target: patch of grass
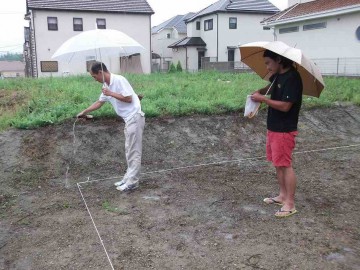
<point x="31" y="103"/>
<point x="108" y="207"/>
<point x="66" y="205"/>
<point x="24" y="222"/>
<point x="30" y="177"/>
<point x="6" y="202"/>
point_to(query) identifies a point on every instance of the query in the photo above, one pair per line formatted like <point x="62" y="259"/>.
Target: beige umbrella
<point x="252" y="55"/>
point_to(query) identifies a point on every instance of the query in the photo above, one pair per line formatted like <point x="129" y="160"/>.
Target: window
<point x="168" y="36"/>
<point x="49" y="66"/>
<point x="52" y="23"/>
<point x="314" y="26"/>
<point x="232" y="23"/>
<point x="27" y="34"/>
<point x="101" y="23"/>
<point x="208" y="25"/>
<point x="78" y="24"/>
<point x="289" y="29"/>
<point x="198" y="25"/>
<point x="357" y="33"/>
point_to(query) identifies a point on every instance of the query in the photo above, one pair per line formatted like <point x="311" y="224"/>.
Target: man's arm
<point x="91" y="108"/>
<point x="120" y="97"/>
<point x="283" y="106"/>
<point x="263" y="91"/>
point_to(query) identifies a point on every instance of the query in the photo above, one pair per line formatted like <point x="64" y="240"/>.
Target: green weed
<point x="108" y="207"/>
<point x="30" y="103"/>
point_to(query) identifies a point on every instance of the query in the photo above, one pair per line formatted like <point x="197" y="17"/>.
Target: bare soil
<point x="199" y="205"/>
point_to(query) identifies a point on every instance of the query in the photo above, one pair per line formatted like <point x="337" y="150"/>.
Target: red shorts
<point x="279" y="147"/>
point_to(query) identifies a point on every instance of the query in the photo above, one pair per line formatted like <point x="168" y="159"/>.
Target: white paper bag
<point x="251" y="107"/>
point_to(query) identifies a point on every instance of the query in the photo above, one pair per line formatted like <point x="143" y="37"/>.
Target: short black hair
<point x="286" y="63"/>
<point x="97" y="66"/>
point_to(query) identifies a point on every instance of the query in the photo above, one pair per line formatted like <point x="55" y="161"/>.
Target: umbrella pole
<point x="258" y="107"/>
<point x="102" y="69"/>
<point x="102" y="72"/>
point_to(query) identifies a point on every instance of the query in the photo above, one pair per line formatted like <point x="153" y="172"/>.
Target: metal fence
<point x="328" y="66"/>
<point x="211" y="63"/>
<point x="339" y="66"/>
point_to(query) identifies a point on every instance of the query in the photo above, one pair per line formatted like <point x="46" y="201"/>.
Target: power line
<point x="11" y="12"/>
<point x="11" y="46"/>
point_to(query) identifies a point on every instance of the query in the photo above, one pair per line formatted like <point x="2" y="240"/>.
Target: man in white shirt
<point x="118" y="91"/>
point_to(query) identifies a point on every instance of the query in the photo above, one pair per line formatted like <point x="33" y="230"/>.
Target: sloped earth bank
<point x="209" y="216"/>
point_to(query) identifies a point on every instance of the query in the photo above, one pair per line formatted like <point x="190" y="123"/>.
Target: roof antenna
<point x="295" y="45"/>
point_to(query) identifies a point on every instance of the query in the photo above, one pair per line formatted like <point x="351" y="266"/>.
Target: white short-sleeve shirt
<point x="120" y="85"/>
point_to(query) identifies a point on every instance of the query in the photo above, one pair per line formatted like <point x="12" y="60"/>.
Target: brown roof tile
<point x="310" y="8"/>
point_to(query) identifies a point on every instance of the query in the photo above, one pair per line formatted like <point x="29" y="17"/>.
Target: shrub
<point x="179" y="67"/>
<point x="172" y="68"/>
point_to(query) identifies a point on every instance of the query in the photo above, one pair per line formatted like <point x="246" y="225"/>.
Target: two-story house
<point x="165" y="34"/>
<point x="328" y="31"/>
<point x="51" y="23"/>
<point x="214" y="33"/>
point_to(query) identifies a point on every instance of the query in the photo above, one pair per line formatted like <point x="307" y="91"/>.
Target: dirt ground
<point x="199" y="205"/>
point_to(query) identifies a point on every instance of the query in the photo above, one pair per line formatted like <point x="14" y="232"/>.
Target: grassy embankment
<point x="30" y="103"/>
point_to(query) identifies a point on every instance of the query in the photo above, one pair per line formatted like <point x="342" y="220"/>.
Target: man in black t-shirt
<point x="283" y="114"/>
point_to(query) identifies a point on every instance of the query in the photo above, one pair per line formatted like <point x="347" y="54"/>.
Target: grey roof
<point x="128" y="6"/>
<point x="188" y="41"/>
<point x="177" y="22"/>
<point x="237" y="6"/>
<point x="12" y="66"/>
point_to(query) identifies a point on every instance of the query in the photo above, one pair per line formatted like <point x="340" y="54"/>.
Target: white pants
<point x="133" y="147"/>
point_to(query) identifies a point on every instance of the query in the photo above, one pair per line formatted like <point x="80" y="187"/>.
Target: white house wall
<point x="12" y="74"/>
<point x="47" y="42"/>
<point x="160" y="43"/>
<point x="179" y="54"/>
<point x="209" y="37"/>
<point x="249" y="29"/>
<point x="217" y="42"/>
<point x="337" y="40"/>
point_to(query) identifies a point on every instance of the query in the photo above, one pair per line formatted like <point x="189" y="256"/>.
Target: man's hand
<point x="93" y="107"/>
<point x="106" y="91"/>
<point x="257" y="97"/>
<point x="80" y="115"/>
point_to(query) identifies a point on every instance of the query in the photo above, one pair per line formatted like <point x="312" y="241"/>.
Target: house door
<point x="200" y="56"/>
<point x="231" y="58"/>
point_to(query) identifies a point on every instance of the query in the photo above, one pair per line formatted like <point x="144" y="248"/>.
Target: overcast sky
<point x="12" y="17"/>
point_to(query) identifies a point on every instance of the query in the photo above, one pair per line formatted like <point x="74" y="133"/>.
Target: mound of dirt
<point x="199" y="205"/>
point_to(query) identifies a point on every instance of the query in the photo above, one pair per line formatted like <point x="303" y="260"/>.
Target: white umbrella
<point x="252" y="55"/>
<point x="99" y="43"/>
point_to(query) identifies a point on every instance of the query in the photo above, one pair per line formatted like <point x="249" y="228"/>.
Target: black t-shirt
<point x="287" y="87"/>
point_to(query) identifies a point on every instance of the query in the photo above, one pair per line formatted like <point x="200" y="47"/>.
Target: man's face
<point x="271" y="65"/>
<point x="98" y="77"/>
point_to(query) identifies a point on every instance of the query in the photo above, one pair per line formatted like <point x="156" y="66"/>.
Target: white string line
<point x="223" y="162"/>
<point x="179" y="168"/>
<point x="97" y="231"/>
<point x="67" y="185"/>
<point x="185" y="167"/>
<point x="326" y="149"/>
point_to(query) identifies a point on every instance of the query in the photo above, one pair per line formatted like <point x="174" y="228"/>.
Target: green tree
<point x="179" y="67"/>
<point x="172" y="68"/>
<point x="11" y="57"/>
